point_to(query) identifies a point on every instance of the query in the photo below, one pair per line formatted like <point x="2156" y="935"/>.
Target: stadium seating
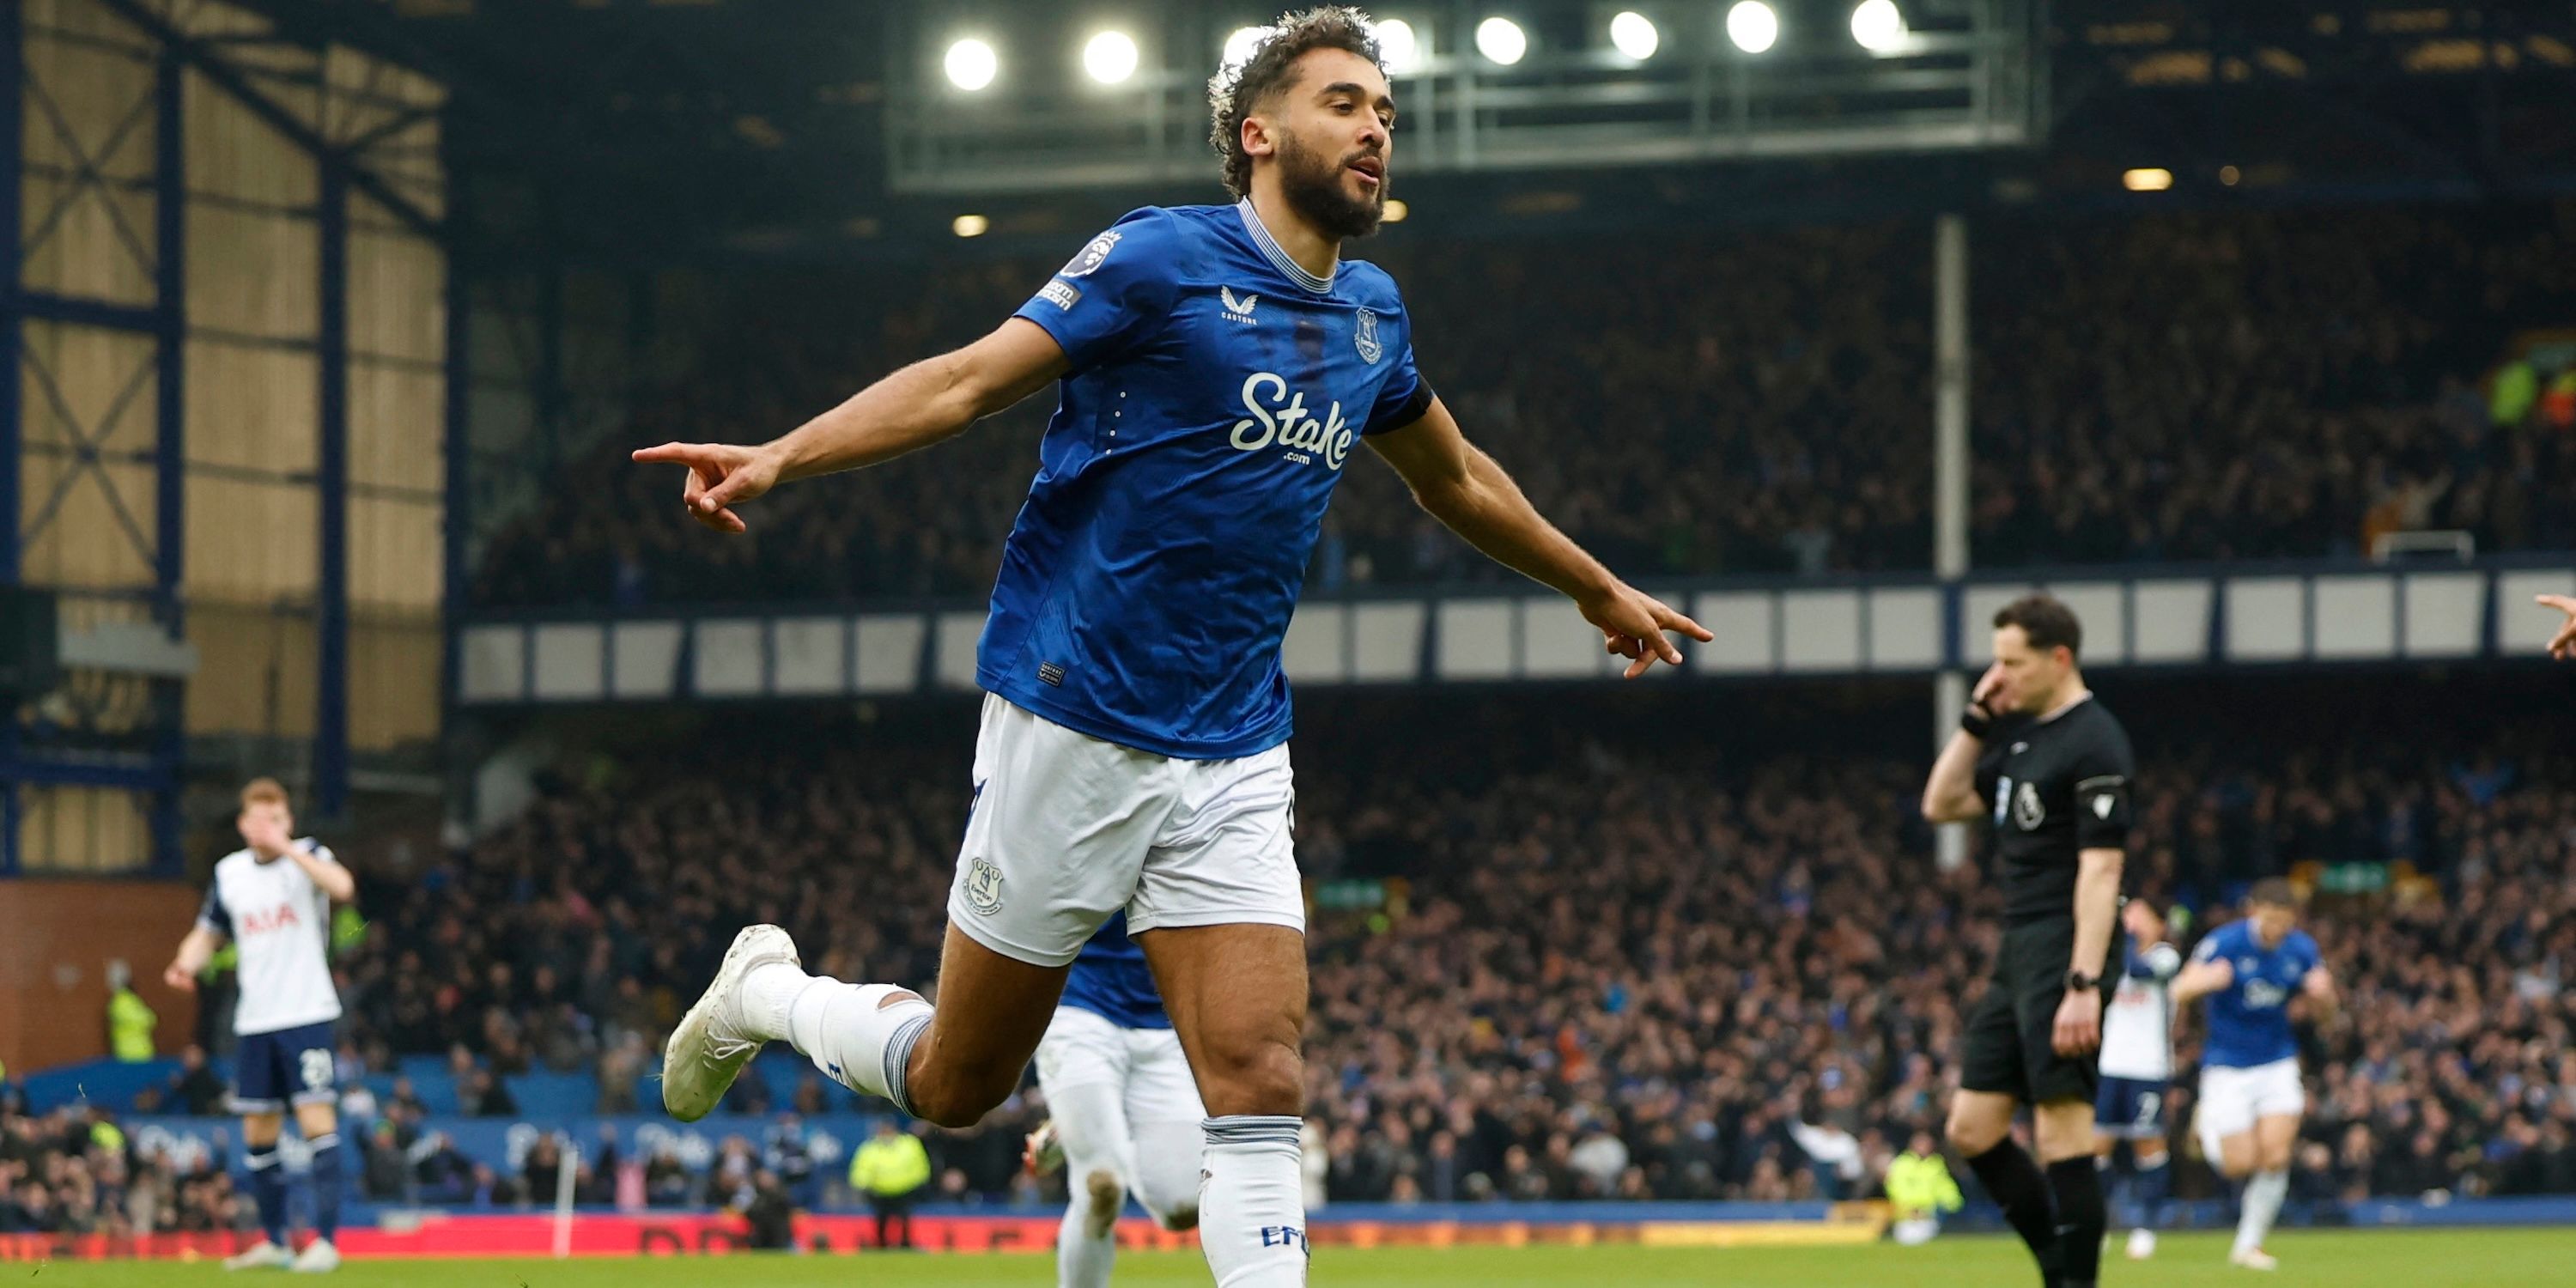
<point x="1730" y="402"/>
<point x="1549" y="964"/>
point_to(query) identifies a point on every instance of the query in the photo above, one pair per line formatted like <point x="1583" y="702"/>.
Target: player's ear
<point x="1256" y="137"/>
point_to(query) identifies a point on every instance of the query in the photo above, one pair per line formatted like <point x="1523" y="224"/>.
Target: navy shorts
<point x="2131" y="1108"/>
<point x="289" y="1066"/>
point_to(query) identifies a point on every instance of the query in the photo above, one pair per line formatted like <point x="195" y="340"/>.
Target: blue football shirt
<point x="1110" y="980"/>
<point x="1216" y="393"/>
<point x="2249" y="1020"/>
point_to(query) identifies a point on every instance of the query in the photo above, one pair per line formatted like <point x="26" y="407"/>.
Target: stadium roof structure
<point x="646" y="130"/>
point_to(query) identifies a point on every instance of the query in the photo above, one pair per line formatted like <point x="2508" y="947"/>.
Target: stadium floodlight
<point x="1239" y="46"/>
<point x="971" y="64"/>
<point x="1878" y="25"/>
<point x="969" y="225"/>
<point x="1634" y="34"/>
<point x="1501" y="41"/>
<point x="1110" y="57"/>
<point x="1395" y="210"/>
<point x="2147" y="179"/>
<point x="1398" y="44"/>
<point x="1753" y="26"/>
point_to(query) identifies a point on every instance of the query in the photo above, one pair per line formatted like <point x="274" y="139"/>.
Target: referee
<point x="2051" y="767"/>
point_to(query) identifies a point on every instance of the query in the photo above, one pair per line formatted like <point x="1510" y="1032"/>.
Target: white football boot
<point x="712" y="1043"/>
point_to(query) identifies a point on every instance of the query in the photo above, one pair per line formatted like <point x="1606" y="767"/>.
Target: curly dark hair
<point x="1239" y="89"/>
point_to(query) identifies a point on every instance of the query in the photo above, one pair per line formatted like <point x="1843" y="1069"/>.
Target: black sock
<point x="2018" y="1187"/>
<point x="2080" y="1218"/>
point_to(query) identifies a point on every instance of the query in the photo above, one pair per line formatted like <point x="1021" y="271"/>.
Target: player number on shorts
<point x="2148" y="1104"/>
<point x="317" y="1069"/>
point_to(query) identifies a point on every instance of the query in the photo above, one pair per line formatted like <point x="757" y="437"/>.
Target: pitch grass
<point x="2352" y="1259"/>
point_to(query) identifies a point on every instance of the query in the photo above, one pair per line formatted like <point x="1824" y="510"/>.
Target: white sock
<point x="847" y="1030"/>
<point x="767" y="991"/>
<point x="1080" y="1260"/>
<point x="1252" y="1209"/>
<point x="1091" y="1128"/>
<point x="2262" y="1203"/>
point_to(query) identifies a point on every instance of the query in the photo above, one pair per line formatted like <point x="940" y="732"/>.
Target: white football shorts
<point x="2231" y="1100"/>
<point x="1067" y="829"/>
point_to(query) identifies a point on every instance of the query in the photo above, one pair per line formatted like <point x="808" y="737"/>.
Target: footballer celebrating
<point x="1215" y="367"/>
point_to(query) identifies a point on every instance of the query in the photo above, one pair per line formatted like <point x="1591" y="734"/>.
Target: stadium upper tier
<point x="2211" y="385"/>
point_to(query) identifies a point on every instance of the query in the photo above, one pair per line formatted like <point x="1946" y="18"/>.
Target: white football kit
<point x="280" y="923"/>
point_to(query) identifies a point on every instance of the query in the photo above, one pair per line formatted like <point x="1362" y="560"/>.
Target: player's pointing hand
<point x="720" y="476"/>
<point x="2563" y="644"/>
<point x="1633" y="625"/>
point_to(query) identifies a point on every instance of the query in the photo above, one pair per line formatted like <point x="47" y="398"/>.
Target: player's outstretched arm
<point x="2154" y="964"/>
<point x="195" y="951"/>
<point x="2200" y="979"/>
<point x="1463" y="488"/>
<point x="931" y="400"/>
<point x="2563" y="644"/>
<point x="2319" y="986"/>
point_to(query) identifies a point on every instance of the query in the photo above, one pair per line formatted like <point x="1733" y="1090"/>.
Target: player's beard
<point x="1313" y="186"/>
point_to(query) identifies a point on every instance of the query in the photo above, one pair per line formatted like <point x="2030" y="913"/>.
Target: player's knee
<point x="1171" y="1194"/>
<point x="1970" y="1135"/>
<point x="960" y="1100"/>
<point x="1253" y="1075"/>
<point x="952" y="1112"/>
<point x="2273" y="1158"/>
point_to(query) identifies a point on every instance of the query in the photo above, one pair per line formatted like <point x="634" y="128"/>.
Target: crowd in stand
<point x="2185" y="386"/>
<point x="1620" y="983"/>
<point x="1575" y="972"/>
<point x="1555" y="963"/>
<point x="2260" y="385"/>
<point x="74" y="1171"/>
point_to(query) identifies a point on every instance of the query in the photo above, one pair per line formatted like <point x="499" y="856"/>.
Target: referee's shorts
<point x="2009" y="1046"/>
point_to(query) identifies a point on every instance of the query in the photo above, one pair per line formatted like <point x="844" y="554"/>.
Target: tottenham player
<point x="2036" y="751"/>
<point x="2137" y="1068"/>
<point x="2250" y="1096"/>
<point x="273" y="899"/>
<point x="1124" y="1114"/>
<point x="1215" y="366"/>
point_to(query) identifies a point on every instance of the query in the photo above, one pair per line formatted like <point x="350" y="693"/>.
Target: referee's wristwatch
<point x="2079" y="982"/>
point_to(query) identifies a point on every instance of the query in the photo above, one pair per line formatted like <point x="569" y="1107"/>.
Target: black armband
<point x="1414" y="408"/>
<point x="1976" y="721"/>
